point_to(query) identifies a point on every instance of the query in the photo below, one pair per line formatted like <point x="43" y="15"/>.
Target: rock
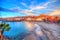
<point x="51" y="30"/>
<point x="30" y="37"/>
<point x="6" y="38"/>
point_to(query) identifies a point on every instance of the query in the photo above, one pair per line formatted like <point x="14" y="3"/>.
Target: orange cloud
<point x="56" y="12"/>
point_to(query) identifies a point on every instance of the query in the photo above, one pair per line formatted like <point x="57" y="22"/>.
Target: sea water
<point x="16" y="29"/>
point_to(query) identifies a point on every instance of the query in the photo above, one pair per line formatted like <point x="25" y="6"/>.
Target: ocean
<point x="16" y="29"/>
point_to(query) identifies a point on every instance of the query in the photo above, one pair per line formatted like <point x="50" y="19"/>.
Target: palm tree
<point x="3" y="27"/>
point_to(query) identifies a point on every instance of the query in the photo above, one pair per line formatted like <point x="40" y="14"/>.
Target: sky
<point x="12" y="8"/>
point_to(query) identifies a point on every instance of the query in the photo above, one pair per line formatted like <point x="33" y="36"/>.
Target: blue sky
<point x="10" y="8"/>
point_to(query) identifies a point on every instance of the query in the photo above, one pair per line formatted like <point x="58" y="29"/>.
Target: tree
<point x="3" y="27"/>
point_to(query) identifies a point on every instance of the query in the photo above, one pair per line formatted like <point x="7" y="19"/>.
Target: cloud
<point x="37" y="8"/>
<point x="6" y="10"/>
<point x="16" y="9"/>
<point x="53" y="0"/>
<point x="19" y="10"/>
<point x="28" y="12"/>
<point x="24" y="4"/>
<point x="46" y="4"/>
<point x="32" y="8"/>
<point x="56" y="12"/>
